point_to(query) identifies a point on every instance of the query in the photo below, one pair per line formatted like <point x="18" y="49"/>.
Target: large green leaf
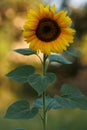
<point x="71" y="98"/>
<point x="41" y="83"/>
<point x="66" y="102"/>
<point x="21" y="73"/>
<point x="51" y="103"/>
<point x="25" y="51"/>
<point x="59" y="59"/>
<point x="21" y="110"/>
<point x="71" y="91"/>
<point x="70" y="52"/>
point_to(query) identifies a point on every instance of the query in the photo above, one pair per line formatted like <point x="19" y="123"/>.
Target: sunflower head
<point x="48" y="31"/>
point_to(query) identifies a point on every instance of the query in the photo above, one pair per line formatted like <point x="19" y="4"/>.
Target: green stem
<point x="44" y="97"/>
<point x="44" y="113"/>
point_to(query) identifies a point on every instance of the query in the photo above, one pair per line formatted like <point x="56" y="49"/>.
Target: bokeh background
<point x="12" y="18"/>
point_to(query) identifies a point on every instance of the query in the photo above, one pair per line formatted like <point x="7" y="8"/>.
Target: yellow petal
<point x="53" y="8"/>
<point x="64" y="21"/>
<point x="68" y="31"/>
<point x="60" y="14"/>
<point x="41" y="8"/>
<point x="47" y="8"/>
<point x="33" y="14"/>
<point x="28" y="33"/>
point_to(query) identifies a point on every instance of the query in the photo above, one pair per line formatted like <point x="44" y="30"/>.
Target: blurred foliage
<point x="58" y="120"/>
<point x="12" y="17"/>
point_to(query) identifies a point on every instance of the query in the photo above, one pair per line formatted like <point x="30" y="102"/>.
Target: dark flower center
<point x="47" y="30"/>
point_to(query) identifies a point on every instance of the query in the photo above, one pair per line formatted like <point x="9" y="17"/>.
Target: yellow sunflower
<point x="47" y="30"/>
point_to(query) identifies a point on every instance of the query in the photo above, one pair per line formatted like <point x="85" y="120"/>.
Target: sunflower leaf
<point x="41" y="83"/>
<point x="59" y="59"/>
<point x="21" y="110"/>
<point x="25" y="51"/>
<point x="71" y="98"/>
<point x="70" y="52"/>
<point x="21" y="73"/>
<point x="71" y="91"/>
<point x="51" y="103"/>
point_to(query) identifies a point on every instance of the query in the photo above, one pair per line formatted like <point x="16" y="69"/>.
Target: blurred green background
<point x="12" y="18"/>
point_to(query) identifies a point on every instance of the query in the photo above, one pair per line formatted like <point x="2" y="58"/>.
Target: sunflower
<point x="47" y="30"/>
